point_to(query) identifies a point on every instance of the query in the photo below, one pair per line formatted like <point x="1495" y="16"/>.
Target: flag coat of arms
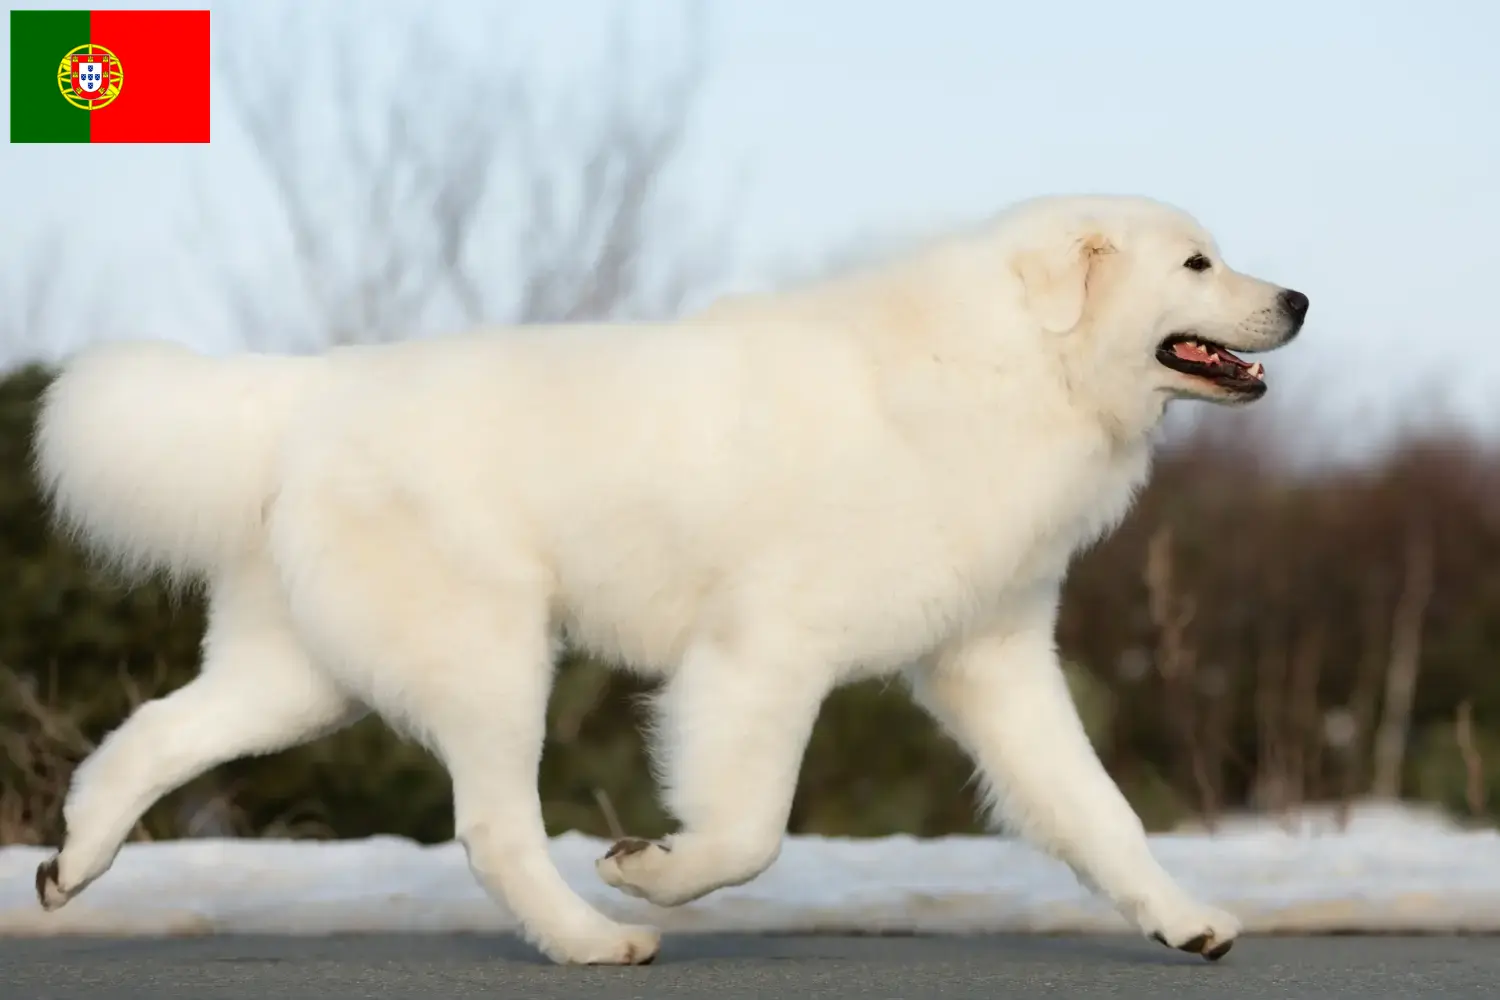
<point x="109" y="76"/>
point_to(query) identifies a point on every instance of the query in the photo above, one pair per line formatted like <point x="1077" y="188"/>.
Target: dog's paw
<point x="49" y="890"/>
<point x="629" y="863"/>
<point x="638" y="945"/>
<point x="609" y="944"/>
<point x="1198" y="930"/>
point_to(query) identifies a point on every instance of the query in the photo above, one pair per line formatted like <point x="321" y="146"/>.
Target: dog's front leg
<point x="731" y="729"/>
<point x="1003" y="696"/>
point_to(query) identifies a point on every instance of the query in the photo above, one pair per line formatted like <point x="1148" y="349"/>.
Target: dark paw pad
<point x="1200" y="945"/>
<point x="1195" y="946"/>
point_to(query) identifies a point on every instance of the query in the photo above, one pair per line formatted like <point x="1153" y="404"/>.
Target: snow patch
<point x="1392" y="870"/>
<point x="1364" y="817"/>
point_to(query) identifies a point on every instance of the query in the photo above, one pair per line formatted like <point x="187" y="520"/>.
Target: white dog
<point x="884" y="473"/>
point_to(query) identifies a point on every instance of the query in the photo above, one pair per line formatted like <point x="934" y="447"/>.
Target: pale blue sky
<point x="1350" y="149"/>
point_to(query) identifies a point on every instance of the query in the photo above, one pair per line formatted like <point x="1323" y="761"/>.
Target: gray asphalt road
<point x="435" y="967"/>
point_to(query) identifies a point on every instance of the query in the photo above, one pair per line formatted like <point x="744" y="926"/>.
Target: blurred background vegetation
<point x="1259" y="634"/>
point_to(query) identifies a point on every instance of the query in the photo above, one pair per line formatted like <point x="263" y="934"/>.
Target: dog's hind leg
<point x="454" y="648"/>
<point x="477" y="694"/>
<point x="257" y="694"/>
<point x="732" y="731"/>
<point x="1003" y="696"/>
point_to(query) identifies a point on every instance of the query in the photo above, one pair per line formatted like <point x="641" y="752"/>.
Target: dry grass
<point x="44" y="740"/>
<point x="43" y="743"/>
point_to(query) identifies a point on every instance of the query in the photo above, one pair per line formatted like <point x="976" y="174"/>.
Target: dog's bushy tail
<point x="159" y="458"/>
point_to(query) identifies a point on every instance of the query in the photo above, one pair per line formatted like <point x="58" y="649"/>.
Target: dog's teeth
<point x="1213" y="359"/>
<point x="1257" y="369"/>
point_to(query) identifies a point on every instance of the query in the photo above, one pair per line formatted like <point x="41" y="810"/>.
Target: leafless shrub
<point x="1463" y="734"/>
<point x="43" y="742"/>
<point x="1405" y="661"/>
<point x="1172" y="612"/>
<point x="459" y="191"/>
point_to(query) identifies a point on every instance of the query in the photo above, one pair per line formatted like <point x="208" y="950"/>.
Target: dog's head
<point x="1131" y="289"/>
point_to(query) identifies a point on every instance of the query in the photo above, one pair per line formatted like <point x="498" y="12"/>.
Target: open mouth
<point x="1214" y="363"/>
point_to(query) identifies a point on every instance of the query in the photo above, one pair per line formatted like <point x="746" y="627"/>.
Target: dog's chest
<point x="988" y="551"/>
<point x="1046" y="517"/>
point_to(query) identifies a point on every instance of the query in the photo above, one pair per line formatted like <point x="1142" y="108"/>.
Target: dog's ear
<point x="1056" y="279"/>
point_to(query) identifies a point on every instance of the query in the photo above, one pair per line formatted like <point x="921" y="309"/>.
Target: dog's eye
<point x="1197" y="262"/>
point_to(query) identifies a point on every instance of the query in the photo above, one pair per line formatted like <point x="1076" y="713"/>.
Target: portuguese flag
<point x="109" y="76"/>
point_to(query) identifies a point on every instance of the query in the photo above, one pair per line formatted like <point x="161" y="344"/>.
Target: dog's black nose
<point x="1294" y="304"/>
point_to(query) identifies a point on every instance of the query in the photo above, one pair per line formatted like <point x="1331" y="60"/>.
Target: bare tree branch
<point x="1463" y="734"/>
<point x="1405" y="661"/>
<point x="1172" y="612"/>
<point x="401" y="206"/>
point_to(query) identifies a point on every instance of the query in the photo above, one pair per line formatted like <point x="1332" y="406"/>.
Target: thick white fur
<point x="884" y="473"/>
